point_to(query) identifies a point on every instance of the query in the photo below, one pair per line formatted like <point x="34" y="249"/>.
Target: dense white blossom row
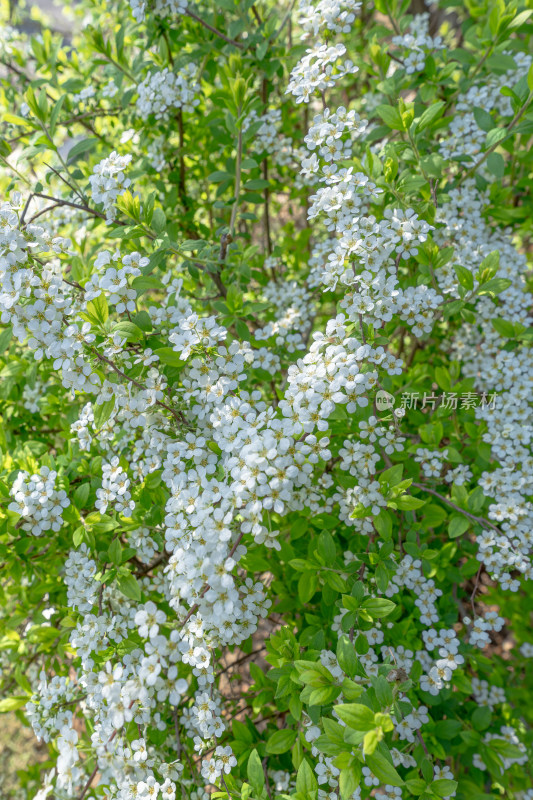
<point x="231" y="461"/>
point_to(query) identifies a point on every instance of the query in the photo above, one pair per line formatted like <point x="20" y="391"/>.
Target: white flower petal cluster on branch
<point x="108" y="181"/>
<point x="38" y="502"/>
<point x="160" y="8"/>
<point x="162" y="92"/>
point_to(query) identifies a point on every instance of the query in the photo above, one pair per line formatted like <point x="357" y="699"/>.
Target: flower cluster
<point x="165" y="90"/>
<point x="115" y="484"/>
<point x="160" y="8"/>
<point x="109" y="181"/>
<point x="38" y="502"/>
<point x="417" y="44"/>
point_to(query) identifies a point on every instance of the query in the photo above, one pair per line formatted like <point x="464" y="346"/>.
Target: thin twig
<point x="61" y="201"/>
<point x="474" y="591"/>
<point x="209" y="27"/>
<point x="238" y="164"/>
<point x="284" y="20"/>
<point x="480" y="520"/>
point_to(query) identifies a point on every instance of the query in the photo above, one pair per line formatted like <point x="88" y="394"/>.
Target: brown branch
<point x="474" y="591"/>
<point x="153" y="564"/>
<point x="240" y="660"/>
<point x="181" y="182"/>
<point x="61" y="201"/>
<point x="209" y="27"/>
<point x="480" y="520"/>
<point x="61" y="177"/>
<point x="89" y="781"/>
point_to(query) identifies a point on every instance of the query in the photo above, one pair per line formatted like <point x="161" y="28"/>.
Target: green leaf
<point x="391" y="476"/>
<point x="128" y="331"/>
<point x="349" y="780"/>
<point x="464" y="276"/>
<point x="346" y="655"/>
<point x="391" y="117"/>
<point x="153" y="479"/>
<point x="443" y="378"/>
<point x="78" y="536"/>
<point x="12" y="703"/>
<point x="505" y="748"/>
<point x="159" y="220"/>
<point x="383" y="769"/>
<point x="483" y="119"/>
<point x="408" y="503"/>
<point x="280" y="741"/>
<point x="241" y="732"/>
<point x="427" y="769"/>
<point x="495" y="136"/>
<point x="307" y="585"/>
<point x="144" y="283"/>
<point x="496" y="165"/>
<point x="481" y="718"/>
<point x="430" y="115"/>
<point x="383" y="524"/>
<point x="257" y="184"/>
<point x="447" y="728"/>
<point x="356" y="716"/>
<point x="415" y="785"/>
<point x="102" y="412"/>
<point x="322" y="696"/>
<point x="85" y="146"/>
<point x="306" y="782"/>
<point x="98" y="308"/>
<point x="350" y="689"/>
<point x="55" y="113"/>
<point x="371" y="741"/>
<point x="495" y="286"/>
<point x="218" y="177"/>
<point x="5" y="338"/>
<point x="390" y="167"/>
<point x="378" y="607"/>
<point x="326" y="547"/>
<point x="383" y="690"/>
<point x="143" y="321"/>
<point x="255" y="772"/>
<point x="443" y="787"/>
<point x="16" y="120"/>
<point x="504" y="328"/>
<point x="490" y="265"/>
<point x="458" y="525"/>
<point x="520" y="18"/>
<point x="242" y="329"/>
<point x="129" y="586"/>
<point x="169" y="356"/>
<point x="114" y="552"/>
<point x="81" y="495"/>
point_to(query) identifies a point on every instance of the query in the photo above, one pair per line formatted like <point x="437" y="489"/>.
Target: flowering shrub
<point x="266" y="472"/>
